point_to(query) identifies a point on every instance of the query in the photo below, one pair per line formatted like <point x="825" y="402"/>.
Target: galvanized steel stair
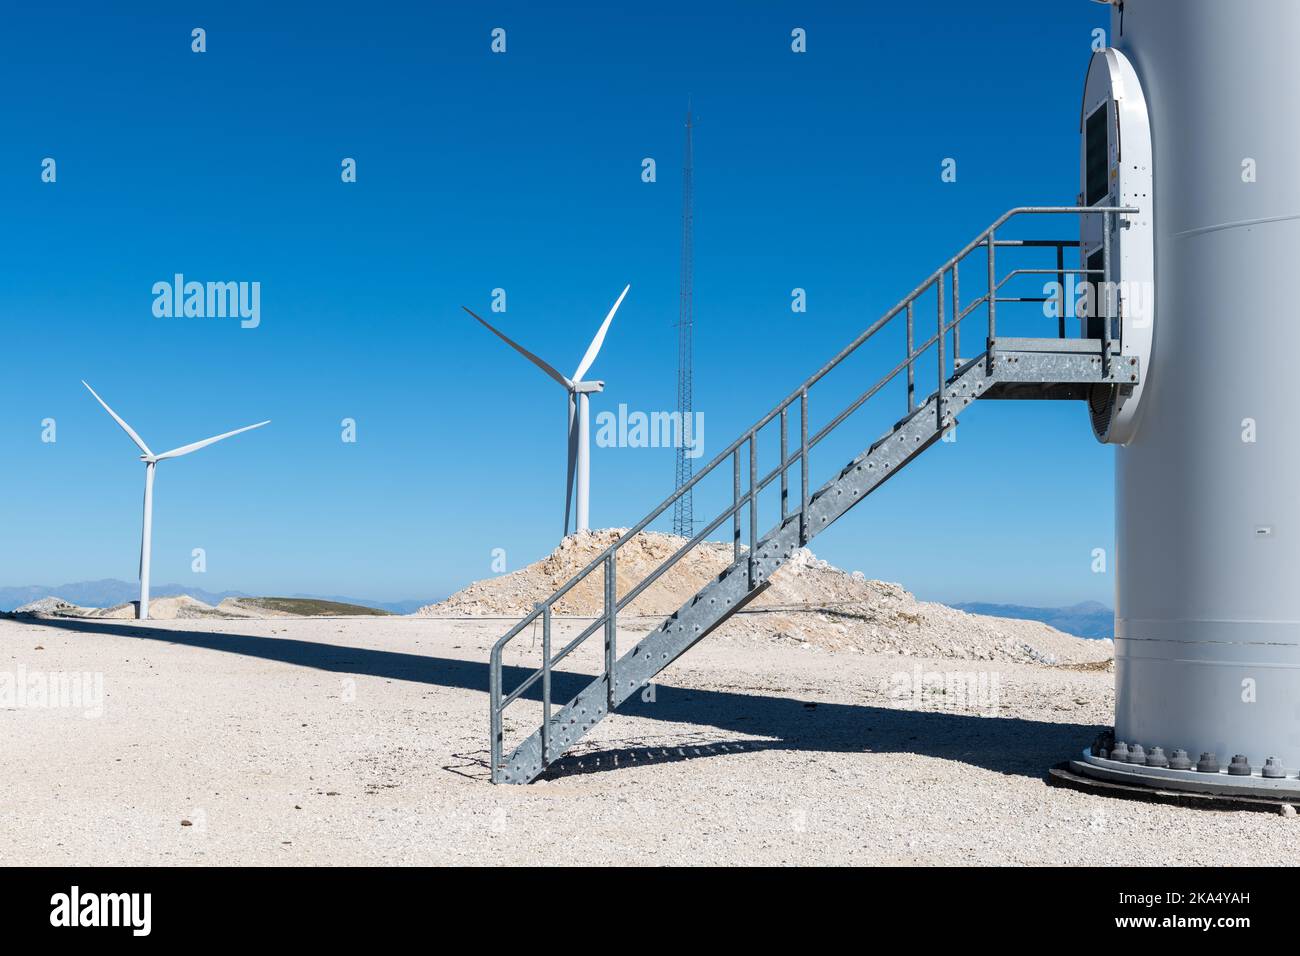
<point x="1047" y="368"/>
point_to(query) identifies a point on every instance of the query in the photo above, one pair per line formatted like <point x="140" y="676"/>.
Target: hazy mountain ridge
<point x="1085" y="619"/>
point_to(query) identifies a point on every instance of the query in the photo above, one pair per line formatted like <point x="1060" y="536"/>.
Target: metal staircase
<point x="1033" y="368"/>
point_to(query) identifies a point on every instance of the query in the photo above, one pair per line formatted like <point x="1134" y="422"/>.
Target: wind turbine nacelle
<point x="588" y="387"/>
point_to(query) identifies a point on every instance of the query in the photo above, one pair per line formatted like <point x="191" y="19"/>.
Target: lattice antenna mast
<point x="683" y="510"/>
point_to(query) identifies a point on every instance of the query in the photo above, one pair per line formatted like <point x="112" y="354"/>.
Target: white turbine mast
<point x="579" y="432"/>
<point x="150" y="462"/>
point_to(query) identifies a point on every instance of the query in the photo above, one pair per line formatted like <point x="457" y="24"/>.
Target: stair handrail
<point x="608" y="556"/>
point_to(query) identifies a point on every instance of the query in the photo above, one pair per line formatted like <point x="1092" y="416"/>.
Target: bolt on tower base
<point x="1133" y="766"/>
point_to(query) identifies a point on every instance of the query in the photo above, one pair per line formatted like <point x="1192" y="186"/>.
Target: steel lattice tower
<point x="683" y="511"/>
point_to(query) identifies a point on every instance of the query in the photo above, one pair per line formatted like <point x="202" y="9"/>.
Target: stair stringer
<point x="731" y="590"/>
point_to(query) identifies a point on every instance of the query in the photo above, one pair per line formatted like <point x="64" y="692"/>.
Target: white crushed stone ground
<point x="809" y="602"/>
<point x="363" y="741"/>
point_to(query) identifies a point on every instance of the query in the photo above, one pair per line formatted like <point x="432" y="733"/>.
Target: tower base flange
<point x="1063" y="776"/>
<point x="1217" y="789"/>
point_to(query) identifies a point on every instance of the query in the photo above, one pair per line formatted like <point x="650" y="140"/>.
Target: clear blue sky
<point x="519" y="171"/>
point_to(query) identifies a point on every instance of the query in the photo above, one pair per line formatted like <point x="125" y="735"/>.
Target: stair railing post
<point x="546" y="683"/>
<point x="911" y="370"/>
<point x="753" y="504"/>
<point x="494" y="692"/>
<point x="956" y="316"/>
<point x="803" y="467"/>
<point x="1104" y="293"/>
<point x="611" y="626"/>
<point x="785" y="474"/>
<point x="1060" y="290"/>
<point x="993" y="300"/>
<point x="735" y="504"/>
<point x="943" y="369"/>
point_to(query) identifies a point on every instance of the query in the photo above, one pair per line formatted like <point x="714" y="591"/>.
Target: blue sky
<point x="520" y="171"/>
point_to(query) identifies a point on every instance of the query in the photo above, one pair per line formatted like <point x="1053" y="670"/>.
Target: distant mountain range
<point x="1088" y="619"/>
<point x="110" y="591"/>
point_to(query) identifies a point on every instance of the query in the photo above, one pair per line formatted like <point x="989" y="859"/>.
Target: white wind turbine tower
<point x="150" y="462"/>
<point x="579" y="423"/>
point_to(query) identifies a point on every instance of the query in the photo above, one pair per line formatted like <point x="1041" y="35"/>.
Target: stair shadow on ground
<point x="1009" y="745"/>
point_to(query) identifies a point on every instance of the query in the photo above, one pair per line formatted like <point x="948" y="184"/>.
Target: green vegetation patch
<point x="313" y="607"/>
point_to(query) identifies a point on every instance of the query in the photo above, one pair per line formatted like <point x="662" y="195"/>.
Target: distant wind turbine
<point x="579" y="423"/>
<point x="150" y="462"/>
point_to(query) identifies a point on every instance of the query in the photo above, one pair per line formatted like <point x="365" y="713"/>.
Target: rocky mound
<point x="49" y="607"/>
<point x="809" y="603"/>
<point x="178" y="607"/>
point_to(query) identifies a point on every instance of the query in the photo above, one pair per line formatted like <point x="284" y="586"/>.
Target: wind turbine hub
<point x="579" y="424"/>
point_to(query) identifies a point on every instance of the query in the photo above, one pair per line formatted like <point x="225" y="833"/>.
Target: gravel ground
<point x="362" y="741"/>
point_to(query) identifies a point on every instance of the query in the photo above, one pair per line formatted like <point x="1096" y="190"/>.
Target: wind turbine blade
<point x="594" y="348"/>
<point x="118" y="418"/>
<point x="195" y="446"/>
<point x="549" y="370"/>
<point x="573" y="462"/>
